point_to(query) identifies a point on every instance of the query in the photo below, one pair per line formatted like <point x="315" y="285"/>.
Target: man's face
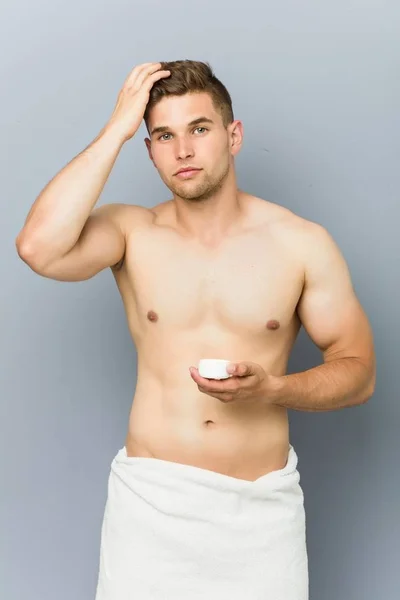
<point x="187" y="131"/>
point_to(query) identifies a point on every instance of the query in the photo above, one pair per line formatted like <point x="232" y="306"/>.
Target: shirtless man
<point x="212" y="273"/>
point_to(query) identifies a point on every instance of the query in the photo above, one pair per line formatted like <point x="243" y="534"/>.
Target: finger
<point x="204" y="381"/>
<point x="151" y="80"/>
<point x="216" y="385"/>
<point x="146" y="75"/>
<point x="222" y="396"/>
<point x="135" y="72"/>
<point x="156" y="76"/>
<point x="139" y="73"/>
<point x="241" y="369"/>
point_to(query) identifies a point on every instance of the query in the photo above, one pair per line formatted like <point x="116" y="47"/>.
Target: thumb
<point x="241" y="369"/>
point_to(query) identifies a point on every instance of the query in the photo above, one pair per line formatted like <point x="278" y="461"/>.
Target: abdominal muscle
<point x="172" y="420"/>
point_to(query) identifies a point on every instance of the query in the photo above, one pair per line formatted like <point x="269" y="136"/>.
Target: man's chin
<point x="188" y="193"/>
<point x="195" y="198"/>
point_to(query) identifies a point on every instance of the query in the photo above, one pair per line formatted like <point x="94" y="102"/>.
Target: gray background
<point x="317" y="87"/>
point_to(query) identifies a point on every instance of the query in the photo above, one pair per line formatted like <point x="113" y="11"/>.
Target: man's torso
<point x="186" y="300"/>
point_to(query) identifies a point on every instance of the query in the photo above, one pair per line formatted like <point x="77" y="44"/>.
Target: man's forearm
<point x="337" y="384"/>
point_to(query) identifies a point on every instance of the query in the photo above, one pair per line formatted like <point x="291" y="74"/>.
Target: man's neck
<point x="211" y="219"/>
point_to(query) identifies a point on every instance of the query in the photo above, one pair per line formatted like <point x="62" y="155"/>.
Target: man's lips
<point x="187" y="172"/>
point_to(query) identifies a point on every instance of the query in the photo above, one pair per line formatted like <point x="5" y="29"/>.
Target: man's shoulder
<point x="126" y="216"/>
<point x="283" y="220"/>
<point x="297" y="237"/>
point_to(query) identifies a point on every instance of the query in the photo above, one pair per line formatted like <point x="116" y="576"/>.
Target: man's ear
<point x="148" y="146"/>
<point x="235" y="131"/>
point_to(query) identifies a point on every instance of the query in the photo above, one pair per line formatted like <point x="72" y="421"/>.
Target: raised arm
<point x="64" y="237"/>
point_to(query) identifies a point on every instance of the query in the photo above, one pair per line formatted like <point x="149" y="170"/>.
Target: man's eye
<point x="202" y="128"/>
<point x="162" y="137"/>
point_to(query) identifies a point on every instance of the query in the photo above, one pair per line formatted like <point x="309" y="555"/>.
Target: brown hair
<point x="190" y="76"/>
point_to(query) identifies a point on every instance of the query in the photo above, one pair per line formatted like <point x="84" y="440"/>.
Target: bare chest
<point x="247" y="285"/>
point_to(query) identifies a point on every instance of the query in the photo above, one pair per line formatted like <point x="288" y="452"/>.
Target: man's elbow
<point x="369" y="378"/>
<point x="369" y="392"/>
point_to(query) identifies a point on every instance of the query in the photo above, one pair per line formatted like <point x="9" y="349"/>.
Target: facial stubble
<point x="201" y="191"/>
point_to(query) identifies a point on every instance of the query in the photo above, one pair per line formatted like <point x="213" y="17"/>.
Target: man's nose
<point x="184" y="149"/>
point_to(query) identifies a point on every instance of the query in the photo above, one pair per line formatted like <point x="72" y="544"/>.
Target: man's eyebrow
<point x="163" y="128"/>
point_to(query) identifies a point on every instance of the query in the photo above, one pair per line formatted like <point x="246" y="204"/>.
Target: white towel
<point x="178" y="532"/>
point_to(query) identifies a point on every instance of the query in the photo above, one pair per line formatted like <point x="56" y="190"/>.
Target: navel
<point x="273" y="324"/>
<point x="152" y="316"/>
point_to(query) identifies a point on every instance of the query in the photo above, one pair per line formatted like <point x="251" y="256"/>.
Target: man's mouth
<point x="187" y="172"/>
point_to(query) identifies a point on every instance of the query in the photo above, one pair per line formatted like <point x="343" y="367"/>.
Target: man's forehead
<point x="178" y="111"/>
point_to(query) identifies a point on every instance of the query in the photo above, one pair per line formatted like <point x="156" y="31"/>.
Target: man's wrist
<point x="276" y="389"/>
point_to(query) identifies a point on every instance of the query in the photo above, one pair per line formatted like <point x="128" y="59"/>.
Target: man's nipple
<point x="152" y="316"/>
<point x="273" y="324"/>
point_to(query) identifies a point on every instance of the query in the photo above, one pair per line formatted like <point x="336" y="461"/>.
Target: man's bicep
<point x="329" y="308"/>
